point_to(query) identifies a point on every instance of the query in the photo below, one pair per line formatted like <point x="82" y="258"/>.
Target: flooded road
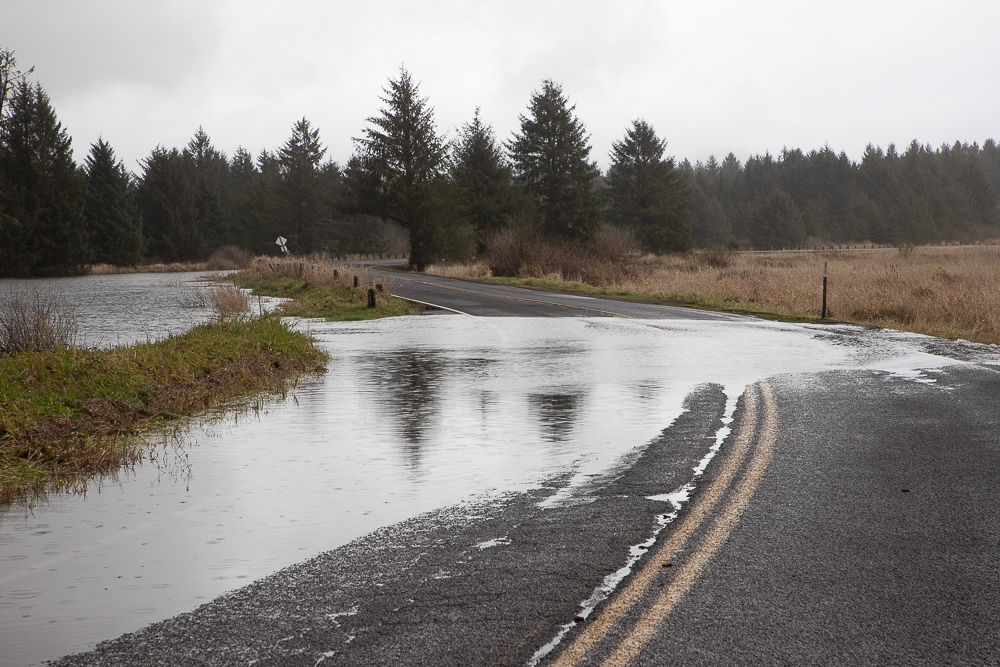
<point x="415" y="413"/>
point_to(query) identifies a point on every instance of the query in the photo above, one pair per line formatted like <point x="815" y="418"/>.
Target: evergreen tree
<point x="709" y="223"/>
<point x="485" y="179"/>
<point x="551" y="161"/>
<point x="252" y="227"/>
<point x="774" y="222"/>
<point x="114" y="224"/>
<point x="646" y="193"/>
<point x="209" y="174"/>
<point x="168" y="203"/>
<point x="399" y="173"/>
<point x="43" y="227"/>
<point x="300" y="189"/>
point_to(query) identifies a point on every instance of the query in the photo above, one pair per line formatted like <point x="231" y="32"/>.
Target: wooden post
<point x="371" y="297"/>
<point x="355" y="281"/>
<point x="823" y="314"/>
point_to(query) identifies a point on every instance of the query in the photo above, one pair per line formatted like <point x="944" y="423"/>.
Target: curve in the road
<point x="508" y="298"/>
<point x="687" y="574"/>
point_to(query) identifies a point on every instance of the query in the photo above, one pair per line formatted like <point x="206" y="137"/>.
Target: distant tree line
<point x="445" y="197"/>
<point x="920" y="196"/>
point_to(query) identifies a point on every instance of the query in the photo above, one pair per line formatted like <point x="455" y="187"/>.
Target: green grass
<point x="332" y="301"/>
<point x="69" y="414"/>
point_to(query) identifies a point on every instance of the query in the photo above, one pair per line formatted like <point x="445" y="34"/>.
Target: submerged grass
<point x="71" y="413"/>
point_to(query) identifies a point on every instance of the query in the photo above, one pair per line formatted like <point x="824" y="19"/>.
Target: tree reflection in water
<point x="410" y="387"/>
<point x="409" y="384"/>
<point x="557" y="413"/>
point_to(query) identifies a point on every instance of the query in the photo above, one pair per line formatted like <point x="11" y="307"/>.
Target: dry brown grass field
<point x="949" y="291"/>
<point x="177" y="267"/>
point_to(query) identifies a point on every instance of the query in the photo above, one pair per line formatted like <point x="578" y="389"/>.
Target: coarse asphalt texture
<point x="854" y="521"/>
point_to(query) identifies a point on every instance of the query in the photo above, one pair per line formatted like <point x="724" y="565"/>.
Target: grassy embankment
<point x="318" y="289"/>
<point x="68" y="413"/>
<point x="71" y="413"/>
<point x="941" y="291"/>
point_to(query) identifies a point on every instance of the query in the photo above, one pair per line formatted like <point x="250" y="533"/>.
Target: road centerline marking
<point x="696" y="563"/>
<point x="596" y="630"/>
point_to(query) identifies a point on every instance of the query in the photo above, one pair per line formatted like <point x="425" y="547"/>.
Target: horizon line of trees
<point x="409" y="183"/>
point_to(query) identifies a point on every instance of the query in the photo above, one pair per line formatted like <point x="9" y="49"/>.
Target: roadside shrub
<point x="716" y="256"/>
<point x="519" y="251"/>
<point x="614" y="254"/>
<point x="228" y="300"/>
<point x="514" y="249"/>
<point x="33" y="322"/>
<point x="229" y="258"/>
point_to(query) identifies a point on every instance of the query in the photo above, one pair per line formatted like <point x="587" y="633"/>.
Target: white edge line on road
<point x="433" y="305"/>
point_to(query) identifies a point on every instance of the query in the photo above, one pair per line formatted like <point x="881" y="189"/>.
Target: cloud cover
<point x="712" y="77"/>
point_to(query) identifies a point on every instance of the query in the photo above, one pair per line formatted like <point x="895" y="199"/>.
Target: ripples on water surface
<point x="121" y="309"/>
<point x="415" y="413"/>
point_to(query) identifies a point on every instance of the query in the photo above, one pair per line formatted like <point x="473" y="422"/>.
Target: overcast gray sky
<point x="712" y="76"/>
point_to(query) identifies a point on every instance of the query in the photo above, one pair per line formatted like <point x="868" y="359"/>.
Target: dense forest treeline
<point x="920" y="196"/>
<point x="409" y="185"/>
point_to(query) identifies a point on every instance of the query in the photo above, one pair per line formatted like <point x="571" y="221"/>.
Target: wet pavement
<point x="485" y="437"/>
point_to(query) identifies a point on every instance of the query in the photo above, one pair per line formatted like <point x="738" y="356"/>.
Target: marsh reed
<point x="949" y="291"/>
<point x="945" y="291"/>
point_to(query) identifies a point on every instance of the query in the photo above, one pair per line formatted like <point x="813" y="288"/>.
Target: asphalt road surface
<point x="848" y="518"/>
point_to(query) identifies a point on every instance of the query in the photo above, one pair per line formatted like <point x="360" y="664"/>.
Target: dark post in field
<point x="823" y="314"/>
<point x="371" y="297"/>
<point x="355" y="281"/>
<point x="336" y="274"/>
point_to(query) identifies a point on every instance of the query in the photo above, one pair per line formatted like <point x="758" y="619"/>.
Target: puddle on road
<point x="414" y="414"/>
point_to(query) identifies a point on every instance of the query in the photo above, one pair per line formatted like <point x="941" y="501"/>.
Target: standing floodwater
<point x="414" y="413"/>
<point x="121" y="309"/>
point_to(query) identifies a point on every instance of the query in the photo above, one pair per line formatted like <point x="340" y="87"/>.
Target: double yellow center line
<point x="688" y="573"/>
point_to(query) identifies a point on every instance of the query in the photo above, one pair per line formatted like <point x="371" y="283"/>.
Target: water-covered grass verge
<point x="68" y="414"/>
<point x="322" y="290"/>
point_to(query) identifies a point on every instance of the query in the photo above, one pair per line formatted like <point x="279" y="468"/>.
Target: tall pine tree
<point x="484" y="178"/>
<point x="551" y="161"/>
<point x="209" y="171"/>
<point x="114" y="224"/>
<point x="42" y="224"/>
<point x="301" y="187"/>
<point x="399" y="172"/>
<point x="646" y="193"/>
<point x="168" y="202"/>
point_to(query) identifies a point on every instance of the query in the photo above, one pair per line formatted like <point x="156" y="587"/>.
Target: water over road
<point x="597" y="482"/>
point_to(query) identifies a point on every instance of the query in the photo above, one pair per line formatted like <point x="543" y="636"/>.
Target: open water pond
<point x="121" y="309"/>
<point x="414" y="414"/>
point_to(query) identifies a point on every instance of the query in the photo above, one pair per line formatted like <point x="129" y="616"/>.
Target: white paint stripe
<point x="515" y="298"/>
<point x="594" y="632"/>
<point x="677" y="499"/>
<point x="433" y="305"/>
<point x="688" y="574"/>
